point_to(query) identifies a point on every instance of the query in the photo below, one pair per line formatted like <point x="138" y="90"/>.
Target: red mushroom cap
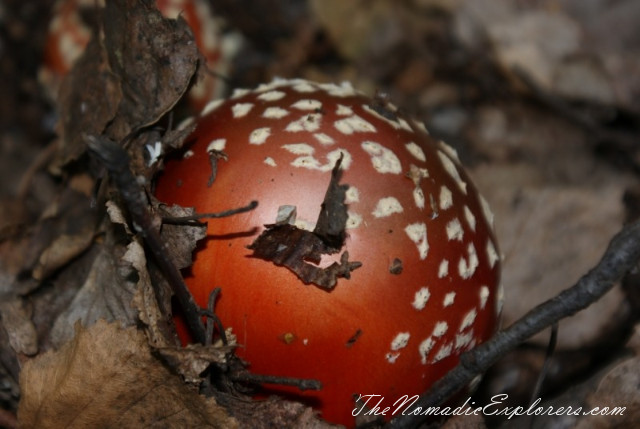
<point x="69" y="34"/>
<point x="428" y="287"/>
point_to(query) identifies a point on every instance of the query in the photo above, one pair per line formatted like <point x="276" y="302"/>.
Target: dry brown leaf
<point x="619" y="388"/>
<point x="154" y="58"/>
<point x="107" y="376"/>
<point x="105" y="294"/>
<point x="64" y="230"/>
<point x="180" y="240"/>
<point x="276" y="413"/>
<point x="88" y="101"/>
<point x="191" y="361"/>
<point x="16" y="320"/>
<point x="465" y="422"/>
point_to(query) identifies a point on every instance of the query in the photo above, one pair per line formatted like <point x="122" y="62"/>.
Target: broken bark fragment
<point x="292" y="247"/>
<point x="214" y="156"/>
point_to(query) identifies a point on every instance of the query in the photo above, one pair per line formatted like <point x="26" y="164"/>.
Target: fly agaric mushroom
<point x="69" y="34"/>
<point x="370" y="263"/>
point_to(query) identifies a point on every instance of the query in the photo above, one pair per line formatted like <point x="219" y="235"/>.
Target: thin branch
<point x="621" y="256"/>
<point x="551" y="347"/>
<point x="300" y="383"/>
<point x="116" y="161"/>
<point x="213" y="321"/>
<point x="185" y="220"/>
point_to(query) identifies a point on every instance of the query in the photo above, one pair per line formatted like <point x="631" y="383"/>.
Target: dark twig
<point x="116" y="160"/>
<point x="186" y="220"/>
<point x="621" y="255"/>
<point x="213" y="321"/>
<point x="551" y="347"/>
<point x="300" y="383"/>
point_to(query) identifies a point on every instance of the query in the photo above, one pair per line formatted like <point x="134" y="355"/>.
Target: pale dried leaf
<point x="107" y="376"/>
<point x="153" y="312"/>
<point x="105" y="294"/>
<point x="180" y="240"/>
<point x="191" y="361"/>
<point x="16" y="320"/>
<point x="619" y="388"/>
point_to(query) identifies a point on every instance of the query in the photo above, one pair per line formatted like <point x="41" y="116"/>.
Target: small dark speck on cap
<point x="396" y="266"/>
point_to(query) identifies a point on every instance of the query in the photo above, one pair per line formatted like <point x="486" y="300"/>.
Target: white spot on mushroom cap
<point x="273" y="95"/>
<point x="464" y="339"/>
<point x="454" y="230"/>
<point x="307" y="104"/>
<point x="396" y="124"/>
<point x="343" y="110"/>
<point x="449" y="299"/>
<point x="468" y="320"/>
<point x="446" y="198"/>
<point x="270" y="161"/>
<point x="241" y="109"/>
<point x="484" y="296"/>
<point x="343" y="90"/>
<point x="488" y="214"/>
<point x="274" y="112"/>
<point x="211" y="106"/>
<point x="466" y="268"/>
<point x="400" y="341"/>
<point x="188" y="154"/>
<point x="440" y="329"/>
<point x="324" y="139"/>
<point x="492" y="254"/>
<point x="354" y="124"/>
<point x="304" y="87"/>
<point x="418" y="197"/>
<point x="450" y="167"/>
<point x="299" y="148"/>
<point x="239" y="92"/>
<point x="417" y="233"/>
<point x="387" y="206"/>
<point x="392" y="357"/>
<point x="259" y="135"/>
<point x="471" y="219"/>
<point x="310" y="162"/>
<point x="217" y="145"/>
<point x="383" y="159"/>
<point x="421" y="298"/>
<point x="309" y="122"/>
<point x="420" y="125"/>
<point x="352" y="195"/>
<point x="444" y="352"/>
<point x="424" y="348"/>
<point x="450" y="151"/>
<point x="443" y="269"/>
<point x="354" y="220"/>
<point x="416" y="151"/>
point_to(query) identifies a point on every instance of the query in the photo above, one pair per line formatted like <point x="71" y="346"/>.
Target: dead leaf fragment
<point x="154" y="58"/>
<point x="300" y="250"/>
<point x="107" y="377"/>
<point x="619" y="388"/>
<point x="105" y="294"/>
<point x="16" y="320"/>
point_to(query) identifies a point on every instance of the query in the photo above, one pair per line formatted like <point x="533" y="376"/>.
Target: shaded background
<point x="541" y="98"/>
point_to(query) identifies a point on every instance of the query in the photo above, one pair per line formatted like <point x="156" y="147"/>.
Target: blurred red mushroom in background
<point x="70" y="31"/>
